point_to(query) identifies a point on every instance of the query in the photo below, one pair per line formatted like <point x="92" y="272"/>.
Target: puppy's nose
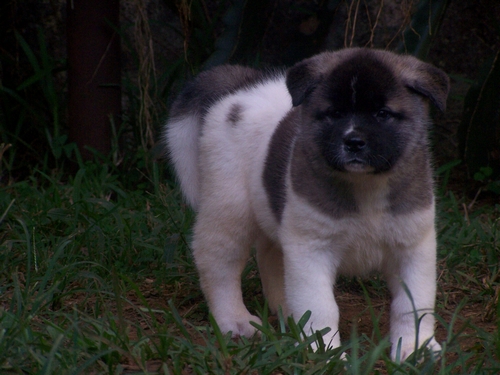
<point x="354" y="143"/>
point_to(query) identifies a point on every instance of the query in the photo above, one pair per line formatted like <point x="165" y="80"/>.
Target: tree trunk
<point x="94" y="94"/>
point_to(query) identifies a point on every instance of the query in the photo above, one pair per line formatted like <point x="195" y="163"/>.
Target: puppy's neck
<point x="370" y="190"/>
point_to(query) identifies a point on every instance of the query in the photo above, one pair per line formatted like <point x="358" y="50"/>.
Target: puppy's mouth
<point x="359" y="161"/>
<point x="358" y="165"/>
<point x="344" y="161"/>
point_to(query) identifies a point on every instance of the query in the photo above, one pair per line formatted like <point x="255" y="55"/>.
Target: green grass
<point x="96" y="278"/>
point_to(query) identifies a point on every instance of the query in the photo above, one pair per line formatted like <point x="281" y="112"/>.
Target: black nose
<point x="354" y="143"/>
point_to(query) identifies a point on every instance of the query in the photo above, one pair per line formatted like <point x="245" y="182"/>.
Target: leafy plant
<point x="32" y="110"/>
<point x="424" y="25"/>
<point x="484" y="175"/>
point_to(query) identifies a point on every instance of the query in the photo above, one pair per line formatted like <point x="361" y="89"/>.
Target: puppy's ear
<point x="432" y="83"/>
<point x="301" y="80"/>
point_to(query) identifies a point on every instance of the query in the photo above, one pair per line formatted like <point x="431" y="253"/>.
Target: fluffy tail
<point x="181" y="137"/>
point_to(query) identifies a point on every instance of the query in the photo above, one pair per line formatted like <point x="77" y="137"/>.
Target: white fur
<point x="181" y="137"/>
<point x="220" y="171"/>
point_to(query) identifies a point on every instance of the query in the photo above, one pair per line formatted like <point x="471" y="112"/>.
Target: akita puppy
<point x="324" y="168"/>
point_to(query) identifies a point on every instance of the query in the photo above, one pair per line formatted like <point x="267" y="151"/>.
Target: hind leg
<point x="221" y="247"/>
<point x="270" y="261"/>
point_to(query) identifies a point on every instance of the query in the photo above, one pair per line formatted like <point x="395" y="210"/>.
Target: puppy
<point x="326" y="170"/>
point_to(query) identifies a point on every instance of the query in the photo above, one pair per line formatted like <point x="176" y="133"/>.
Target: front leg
<point x="413" y="288"/>
<point x="310" y="270"/>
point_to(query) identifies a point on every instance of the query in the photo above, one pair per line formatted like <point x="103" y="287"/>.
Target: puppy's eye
<point x="335" y="113"/>
<point x="384" y="114"/>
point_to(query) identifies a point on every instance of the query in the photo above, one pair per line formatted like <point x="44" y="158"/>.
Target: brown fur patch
<point x="234" y="115"/>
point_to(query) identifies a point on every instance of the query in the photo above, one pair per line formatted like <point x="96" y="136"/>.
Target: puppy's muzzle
<point x="355" y="150"/>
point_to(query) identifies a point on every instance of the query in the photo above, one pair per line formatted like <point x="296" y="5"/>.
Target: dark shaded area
<point x="479" y="131"/>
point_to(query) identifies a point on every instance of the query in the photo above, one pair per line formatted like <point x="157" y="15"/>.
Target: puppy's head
<point x="362" y="109"/>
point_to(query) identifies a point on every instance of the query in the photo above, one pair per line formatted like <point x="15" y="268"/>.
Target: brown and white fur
<point x="325" y="169"/>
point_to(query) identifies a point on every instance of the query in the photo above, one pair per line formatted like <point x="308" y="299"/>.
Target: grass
<point x="96" y="278"/>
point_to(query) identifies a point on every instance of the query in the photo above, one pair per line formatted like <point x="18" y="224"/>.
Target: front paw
<point x="433" y="346"/>
<point x="239" y="326"/>
<point x="401" y="352"/>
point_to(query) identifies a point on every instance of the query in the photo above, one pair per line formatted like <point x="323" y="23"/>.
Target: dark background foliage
<point x="163" y="43"/>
